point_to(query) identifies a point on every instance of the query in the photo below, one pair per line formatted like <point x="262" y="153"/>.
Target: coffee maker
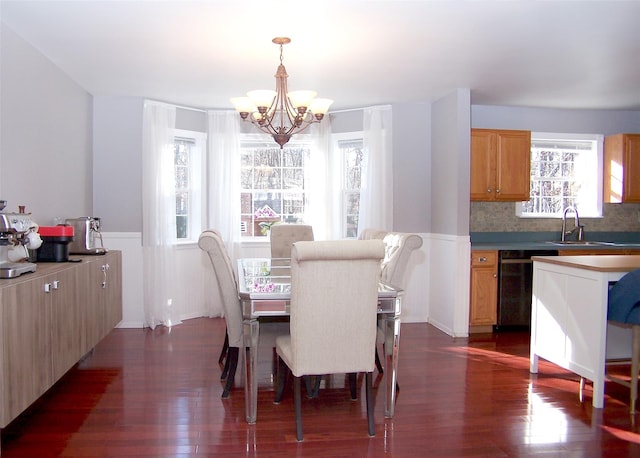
<point x="17" y="231"/>
<point x="87" y="238"/>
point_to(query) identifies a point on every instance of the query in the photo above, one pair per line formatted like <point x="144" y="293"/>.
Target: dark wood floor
<point x="157" y="393"/>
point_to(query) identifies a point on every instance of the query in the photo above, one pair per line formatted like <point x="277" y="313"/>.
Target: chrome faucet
<point x="577" y="227"/>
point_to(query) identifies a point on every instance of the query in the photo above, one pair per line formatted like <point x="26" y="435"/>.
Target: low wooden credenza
<point x="49" y="320"/>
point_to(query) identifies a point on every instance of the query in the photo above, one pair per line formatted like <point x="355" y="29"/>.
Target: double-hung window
<point x="272" y="184"/>
<point x="189" y="169"/>
<point x="566" y="170"/>
<point x="351" y="153"/>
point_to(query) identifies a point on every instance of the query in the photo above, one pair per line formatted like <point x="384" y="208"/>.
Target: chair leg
<point x="369" y="383"/>
<point x="635" y="357"/>
<point x="353" y="385"/>
<point x="281" y="380"/>
<point x="225" y="347"/>
<point x="232" y="357"/>
<point x="298" y="402"/>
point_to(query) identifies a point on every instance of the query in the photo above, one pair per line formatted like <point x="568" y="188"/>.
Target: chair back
<point x="211" y="242"/>
<point x="398" y="247"/>
<point x="624" y="299"/>
<point x="334" y="297"/>
<point x="283" y="236"/>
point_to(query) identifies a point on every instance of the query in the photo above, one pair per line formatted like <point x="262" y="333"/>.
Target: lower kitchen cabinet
<point x="483" y="311"/>
<point x="49" y="320"/>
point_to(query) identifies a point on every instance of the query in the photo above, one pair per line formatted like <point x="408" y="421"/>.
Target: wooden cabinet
<point x="622" y="168"/>
<point x="49" y="319"/>
<point x="483" y="309"/>
<point x="500" y="165"/>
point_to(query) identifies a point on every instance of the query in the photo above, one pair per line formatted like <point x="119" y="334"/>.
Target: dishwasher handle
<point x="516" y="261"/>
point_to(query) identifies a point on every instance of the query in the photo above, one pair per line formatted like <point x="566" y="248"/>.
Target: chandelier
<point x="280" y="113"/>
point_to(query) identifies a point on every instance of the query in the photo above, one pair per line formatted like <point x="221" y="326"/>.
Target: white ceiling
<point x="563" y="54"/>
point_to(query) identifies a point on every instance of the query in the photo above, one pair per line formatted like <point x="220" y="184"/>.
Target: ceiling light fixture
<point x="280" y="113"/>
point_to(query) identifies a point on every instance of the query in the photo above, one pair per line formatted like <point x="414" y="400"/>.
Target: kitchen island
<point x="569" y="315"/>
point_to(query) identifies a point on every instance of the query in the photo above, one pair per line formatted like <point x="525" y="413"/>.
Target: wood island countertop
<point x="598" y="263"/>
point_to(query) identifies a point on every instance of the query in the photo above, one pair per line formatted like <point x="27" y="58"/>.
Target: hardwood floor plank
<point x="145" y="392"/>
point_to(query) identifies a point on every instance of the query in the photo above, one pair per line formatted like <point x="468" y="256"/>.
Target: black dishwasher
<point x="515" y="275"/>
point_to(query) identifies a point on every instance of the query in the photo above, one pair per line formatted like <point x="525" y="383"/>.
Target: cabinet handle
<point x="489" y="190"/>
<point x="482" y="259"/>
<point x="497" y="191"/>
<point x="495" y="275"/>
<point x="105" y="267"/>
<point x="55" y="284"/>
<point x="47" y="287"/>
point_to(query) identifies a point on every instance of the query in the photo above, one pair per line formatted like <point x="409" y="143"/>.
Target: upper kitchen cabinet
<point x="500" y="165"/>
<point x="622" y="168"/>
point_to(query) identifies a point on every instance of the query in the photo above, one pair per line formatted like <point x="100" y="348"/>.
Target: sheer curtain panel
<point x="376" y="191"/>
<point x="158" y="214"/>
<point x="224" y="177"/>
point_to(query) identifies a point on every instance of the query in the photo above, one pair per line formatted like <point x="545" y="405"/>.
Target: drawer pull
<point x="482" y="259"/>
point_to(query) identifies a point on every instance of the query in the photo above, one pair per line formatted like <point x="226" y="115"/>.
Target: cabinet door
<point x="67" y="321"/>
<point x="513" y="164"/>
<point x="26" y="361"/>
<point x="484" y="288"/>
<point x="104" y="296"/>
<point x="632" y="168"/>
<point x="622" y="168"/>
<point x="483" y="147"/>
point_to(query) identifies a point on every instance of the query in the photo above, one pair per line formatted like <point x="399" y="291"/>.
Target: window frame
<point x="197" y="177"/>
<point x="250" y="140"/>
<point x="598" y="179"/>
<point x="337" y="139"/>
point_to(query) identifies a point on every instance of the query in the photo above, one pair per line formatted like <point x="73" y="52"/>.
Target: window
<point x="272" y="184"/>
<point x="188" y="164"/>
<point x="351" y="152"/>
<point x="566" y="170"/>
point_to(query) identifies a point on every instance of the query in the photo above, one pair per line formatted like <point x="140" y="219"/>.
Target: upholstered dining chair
<point x="211" y="242"/>
<point x="334" y="296"/>
<point x="283" y="236"/>
<point x="398" y="247"/>
<point x="624" y="309"/>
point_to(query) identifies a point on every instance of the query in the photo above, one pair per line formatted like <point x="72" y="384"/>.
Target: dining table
<point x="264" y="286"/>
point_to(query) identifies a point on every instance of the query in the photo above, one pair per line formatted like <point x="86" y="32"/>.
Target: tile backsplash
<point x="501" y="217"/>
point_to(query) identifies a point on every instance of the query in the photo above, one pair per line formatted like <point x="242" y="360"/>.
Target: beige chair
<point x="398" y="247"/>
<point x="283" y="236"/>
<point x="211" y="242"/>
<point x="333" y="329"/>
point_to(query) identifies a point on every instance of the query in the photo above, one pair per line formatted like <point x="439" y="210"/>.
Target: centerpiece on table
<point x="264" y="218"/>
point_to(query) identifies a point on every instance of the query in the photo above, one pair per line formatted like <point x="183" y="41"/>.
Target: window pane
<point x="562" y="173"/>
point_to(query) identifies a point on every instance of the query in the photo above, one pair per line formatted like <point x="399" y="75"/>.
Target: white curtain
<point x="376" y="192"/>
<point x="158" y="214"/>
<point x="318" y="178"/>
<point x="224" y="177"/>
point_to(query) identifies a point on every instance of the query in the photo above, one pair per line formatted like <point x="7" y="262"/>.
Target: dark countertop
<point x="545" y="241"/>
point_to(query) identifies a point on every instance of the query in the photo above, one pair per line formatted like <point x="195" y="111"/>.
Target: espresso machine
<point x="17" y="233"/>
<point x="87" y="237"/>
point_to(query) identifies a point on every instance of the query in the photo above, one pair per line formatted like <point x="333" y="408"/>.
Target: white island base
<point x="569" y="315"/>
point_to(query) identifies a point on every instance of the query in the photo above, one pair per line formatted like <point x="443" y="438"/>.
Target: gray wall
<point x="500" y="216"/>
<point x="45" y="135"/>
<point x="450" y="133"/>
<point x="117" y="173"/>
<point x="412" y="167"/>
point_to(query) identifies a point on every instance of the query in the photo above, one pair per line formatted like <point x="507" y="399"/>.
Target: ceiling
<point x="558" y="54"/>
